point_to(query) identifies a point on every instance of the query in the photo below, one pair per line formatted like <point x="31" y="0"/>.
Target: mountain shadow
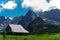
<point x="38" y="26"/>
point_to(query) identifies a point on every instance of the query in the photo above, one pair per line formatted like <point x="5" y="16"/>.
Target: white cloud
<point x="9" y="5"/>
<point x="41" y="5"/>
<point x="10" y="18"/>
<point x="55" y="3"/>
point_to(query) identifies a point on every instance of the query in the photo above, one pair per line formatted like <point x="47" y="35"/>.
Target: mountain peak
<point x="30" y="12"/>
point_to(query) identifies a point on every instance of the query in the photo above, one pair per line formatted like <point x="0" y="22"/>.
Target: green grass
<point x="33" y="37"/>
<point x="42" y="37"/>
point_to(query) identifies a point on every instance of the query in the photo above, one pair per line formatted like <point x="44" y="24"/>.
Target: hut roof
<point x="18" y="28"/>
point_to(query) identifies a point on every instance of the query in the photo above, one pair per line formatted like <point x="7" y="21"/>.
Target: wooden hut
<point x="16" y="29"/>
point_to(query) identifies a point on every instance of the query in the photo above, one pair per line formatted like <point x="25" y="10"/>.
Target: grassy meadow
<point x="32" y="37"/>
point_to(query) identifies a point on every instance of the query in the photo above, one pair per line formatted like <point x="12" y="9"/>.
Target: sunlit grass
<point x="32" y="37"/>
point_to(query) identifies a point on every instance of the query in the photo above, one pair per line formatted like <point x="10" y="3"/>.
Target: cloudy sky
<point x="13" y="8"/>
